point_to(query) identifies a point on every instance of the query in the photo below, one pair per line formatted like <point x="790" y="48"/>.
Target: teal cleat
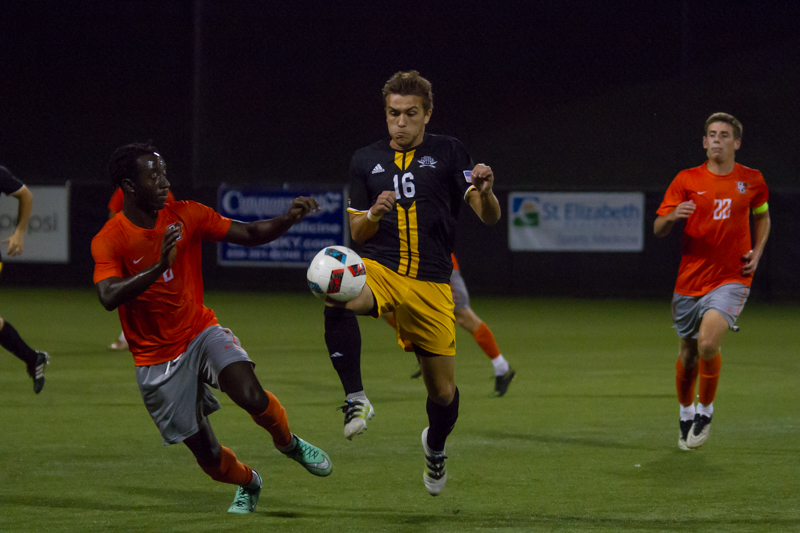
<point x="245" y="500"/>
<point x="312" y="458"/>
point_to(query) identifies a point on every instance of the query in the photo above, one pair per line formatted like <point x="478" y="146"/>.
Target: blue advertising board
<point x="298" y="246"/>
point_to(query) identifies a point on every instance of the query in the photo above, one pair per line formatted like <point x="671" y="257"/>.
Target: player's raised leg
<point x="343" y="340"/>
<point x="438" y="373"/>
<point x="239" y="382"/>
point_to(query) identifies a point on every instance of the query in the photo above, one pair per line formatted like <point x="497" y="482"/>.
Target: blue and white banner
<point x="576" y="222"/>
<point x="298" y="246"/>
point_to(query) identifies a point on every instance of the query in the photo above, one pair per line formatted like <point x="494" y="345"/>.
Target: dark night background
<point x="569" y="95"/>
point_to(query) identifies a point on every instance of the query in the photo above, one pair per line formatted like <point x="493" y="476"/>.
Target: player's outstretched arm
<point x="663" y="224"/>
<point x="115" y="291"/>
<point x="264" y="231"/>
<point x="17" y="241"/>
<point x="363" y="227"/>
<point x="482" y="200"/>
<point x="762" y="225"/>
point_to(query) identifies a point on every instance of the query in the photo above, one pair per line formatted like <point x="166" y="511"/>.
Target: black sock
<point x="441" y="421"/>
<point x="11" y="341"/>
<point x="343" y="339"/>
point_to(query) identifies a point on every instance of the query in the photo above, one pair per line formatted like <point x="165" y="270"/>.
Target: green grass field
<point x="585" y="440"/>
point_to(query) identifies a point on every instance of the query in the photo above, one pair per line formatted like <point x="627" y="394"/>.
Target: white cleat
<point x="435" y="474"/>
<point x="356" y="413"/>
<point x="699" y="432"/>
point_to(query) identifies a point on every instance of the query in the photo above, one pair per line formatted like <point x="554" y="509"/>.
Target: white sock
<point x="687" y="413"/>
<point x="255" y="482"/>
<point x="707" y="410"/>
<point x="500" y="365"/>
<point x="360" y="395"/>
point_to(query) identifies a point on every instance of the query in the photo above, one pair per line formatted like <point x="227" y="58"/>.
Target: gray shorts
<point x="175" y="393"/>
<point x="688" y="311"/>
<point x="459" y="288"/>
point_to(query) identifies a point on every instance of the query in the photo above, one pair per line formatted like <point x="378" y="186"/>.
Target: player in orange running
<point x="147" y="264"/>
<point x="467" y="319"/>
<point x="114" y="207"/>
<point x="717" y="264"/>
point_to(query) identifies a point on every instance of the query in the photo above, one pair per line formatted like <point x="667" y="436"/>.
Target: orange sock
<point x="483" y="336"/>
<point x="684" y="382"/>
<point x="274" y="421"/>
<point x="230" y="470"/>
<point x="391" y="321"/>
<point x="709" y="377"/>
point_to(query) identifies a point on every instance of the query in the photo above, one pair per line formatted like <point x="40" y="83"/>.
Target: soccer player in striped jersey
<point x="405" y="195"/>
<point x="35" y="361"/>
<point x="717" y="265"/>
<point x="147" y="264"/>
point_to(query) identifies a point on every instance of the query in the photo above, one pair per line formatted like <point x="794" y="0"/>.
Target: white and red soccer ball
<point x="337" y="272"/>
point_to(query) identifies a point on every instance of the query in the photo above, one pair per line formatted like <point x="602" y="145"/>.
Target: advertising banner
<point x="47" y="239"/>
<point x="298" y="246"/>
<point x="576" y="222"/>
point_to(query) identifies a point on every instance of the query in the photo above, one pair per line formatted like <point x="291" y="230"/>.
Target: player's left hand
<point x="750" y="260"/>
<point x="301" y="206"/>
<point x="15" y="243"/>
<point x="483" y="178"/>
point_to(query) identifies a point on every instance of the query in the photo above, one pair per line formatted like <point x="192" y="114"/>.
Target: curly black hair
<point x="122" y="164"/>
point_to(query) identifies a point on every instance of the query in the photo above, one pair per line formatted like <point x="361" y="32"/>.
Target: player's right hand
<point x="684" y="209"/>
<point x="169" y="250"/>
<point x="384" y="203"/>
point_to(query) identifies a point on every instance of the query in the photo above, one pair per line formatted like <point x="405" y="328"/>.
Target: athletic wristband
<point x="372" y="217"/>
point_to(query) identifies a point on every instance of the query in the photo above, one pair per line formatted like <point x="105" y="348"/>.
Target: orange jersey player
<point x="114" y="207"/>
<point x="147" y="264"/>
<point x="717" y="264"/>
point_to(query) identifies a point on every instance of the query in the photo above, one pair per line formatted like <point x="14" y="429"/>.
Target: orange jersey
<point x="161" y="322"/>
<point x="115" y="204"/>
<point x="717" y="234"/>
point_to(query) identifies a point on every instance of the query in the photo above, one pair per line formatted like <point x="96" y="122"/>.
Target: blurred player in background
<point x="717" y="264"/>
<point x="114" y="207"/>
<point x="147" y="264"/>
<point x="34" y="360"/>
<point x="405" y="195"/>
<point x="467" y="319"/>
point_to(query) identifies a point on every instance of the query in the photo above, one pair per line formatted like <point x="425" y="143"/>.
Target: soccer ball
<point x="338" y="272"/>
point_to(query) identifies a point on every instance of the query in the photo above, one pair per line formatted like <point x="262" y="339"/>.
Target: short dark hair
<point x="728" y="119"/>
<point x="122" y="164"/>
<point x="410" y="84"/>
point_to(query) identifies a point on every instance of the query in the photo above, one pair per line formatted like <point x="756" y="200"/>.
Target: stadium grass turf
<point x="585" y="439"/>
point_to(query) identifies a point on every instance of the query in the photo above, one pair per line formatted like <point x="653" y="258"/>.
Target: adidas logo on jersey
<point x="378" y="169"/>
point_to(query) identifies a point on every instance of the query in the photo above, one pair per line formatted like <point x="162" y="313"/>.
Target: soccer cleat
<point x="356" y="413"/>
<point x="699" y="433"/>
<point x="417" y="372"/>
<point x="36" y="371"/>
<point x="686" y="426"/>
<point x="501" y="383"/>
<point x="312" y="458"/>
<point x="435" y="474"/>
<point x="245" y="500"/>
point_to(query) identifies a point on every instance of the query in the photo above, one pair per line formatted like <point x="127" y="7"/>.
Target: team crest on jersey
<point x="179" y="226"/>
<point x="427" y="161"/>
<point x="742" y="186"/>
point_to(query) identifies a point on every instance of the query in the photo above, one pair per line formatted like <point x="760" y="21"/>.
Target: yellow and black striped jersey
<point x="431" y="182"/>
